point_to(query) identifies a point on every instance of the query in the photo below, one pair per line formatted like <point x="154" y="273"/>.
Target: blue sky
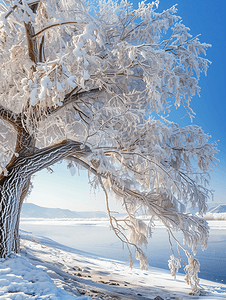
<point x="208" y="19"/>
<point x="205" y="17"/>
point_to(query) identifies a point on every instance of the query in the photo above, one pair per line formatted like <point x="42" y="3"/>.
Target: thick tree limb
<point x="43" y="158"/>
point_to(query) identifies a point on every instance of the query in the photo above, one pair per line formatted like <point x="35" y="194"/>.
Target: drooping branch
<point x="85" y="165"/>
<point x="170" y="217"/>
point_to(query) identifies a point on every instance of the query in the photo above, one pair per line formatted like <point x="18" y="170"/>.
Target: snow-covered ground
<point x="46" y="269"/>
<point x="94" y="236"/>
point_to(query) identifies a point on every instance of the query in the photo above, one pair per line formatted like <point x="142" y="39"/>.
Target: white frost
<point x="131" y="56"/>
<point x="71" y="82"/>
<point x="86" y="75"/>
<point x="45" y="83"/>
<point x="34" y="95"/>
<point x="60" y="88"/>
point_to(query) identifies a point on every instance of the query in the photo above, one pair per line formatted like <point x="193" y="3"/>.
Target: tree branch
<point x="30" y="31"/>
<point x="31" y="43"/>
<point x="85" y="165"/>
<point x="70" y="99"/>
<point x="53" y="25"/>
<point x="41" y="50"/>
<point x="43" y="158"/>
<point x="9" y="116"/>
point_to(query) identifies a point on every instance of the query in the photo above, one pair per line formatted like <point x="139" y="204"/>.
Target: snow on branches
<point x="97" y="73"/>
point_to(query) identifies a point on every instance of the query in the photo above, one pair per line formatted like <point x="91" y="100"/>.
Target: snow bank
<point x="215" y="216"/>
<point x="48" y="270"/>
<point x="19" y="279"/>
<point x="104" y="279"/>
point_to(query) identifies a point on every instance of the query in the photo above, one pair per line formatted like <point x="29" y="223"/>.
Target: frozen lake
<point x="96" y="237"/>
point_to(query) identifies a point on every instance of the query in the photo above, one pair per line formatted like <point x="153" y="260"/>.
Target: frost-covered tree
<point x="89" y="83"/>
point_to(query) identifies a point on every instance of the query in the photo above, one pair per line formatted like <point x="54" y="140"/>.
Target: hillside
<point x="211" y="207"/>
<point x="218" y="209"/>
<point x="30" y="210"/>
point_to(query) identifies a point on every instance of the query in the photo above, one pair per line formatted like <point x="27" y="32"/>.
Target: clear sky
<point x="205" y="17"/>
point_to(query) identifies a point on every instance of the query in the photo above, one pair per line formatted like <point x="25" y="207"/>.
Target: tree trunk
<point x="16" y="242"/>
<point x="14" y="186"/>
<point x="11" y="193"/>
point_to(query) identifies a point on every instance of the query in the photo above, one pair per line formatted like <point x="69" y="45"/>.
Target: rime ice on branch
<point x="82" y="82"/>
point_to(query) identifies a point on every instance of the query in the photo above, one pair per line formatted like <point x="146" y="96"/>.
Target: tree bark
<point x="31" y="42"/>
<point x="16" y="241"/>
<point x="14" y="186"/>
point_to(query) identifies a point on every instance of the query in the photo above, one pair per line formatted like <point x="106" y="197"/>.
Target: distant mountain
<point x="30" y="210"/>
<point x="218" y="209"/>
<point x="211" y="206"/>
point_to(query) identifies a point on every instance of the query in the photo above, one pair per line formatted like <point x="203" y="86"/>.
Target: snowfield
<point x="48" y="270"/>
<point x="215" y="216"/>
